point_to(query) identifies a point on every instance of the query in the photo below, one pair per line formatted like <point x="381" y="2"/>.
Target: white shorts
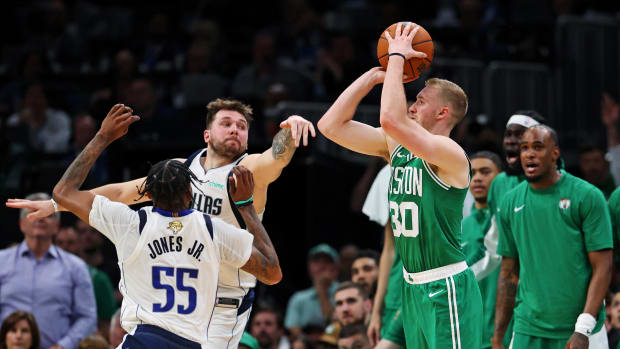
<point x="228" y="323"/>
<point x="598" y="340"/>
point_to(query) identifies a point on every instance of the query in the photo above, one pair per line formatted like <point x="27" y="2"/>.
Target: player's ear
<point x="556" y="153"/>
<point x="206" y="135"/>
<point x="444" y="112"/>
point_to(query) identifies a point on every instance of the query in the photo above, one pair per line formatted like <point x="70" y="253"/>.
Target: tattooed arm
<point x="67" y="191"/>
<point x="267" y="166"/>
<point x="506" y="295"/>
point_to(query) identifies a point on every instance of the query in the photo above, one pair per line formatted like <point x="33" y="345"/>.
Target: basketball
<point x="421" y="42"/>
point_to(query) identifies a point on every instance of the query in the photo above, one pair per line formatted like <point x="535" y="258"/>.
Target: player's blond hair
<point x="228" y="104"/>
<point x="454" y="95"/>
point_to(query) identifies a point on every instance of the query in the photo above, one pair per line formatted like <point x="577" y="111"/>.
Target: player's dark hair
<point x="168" y="183"/>
<point x="267" y="308"/>
<point x="368" y="253"/>
<point x="552" y="133"/>
<point x="227" y="104"/>
<point x="353" y="329"/>
<point x="533" y="114"/>
<point x="350" y="284"/>
<point x="485" y="154"/>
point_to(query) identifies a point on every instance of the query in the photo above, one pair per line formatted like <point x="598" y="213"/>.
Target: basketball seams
<point x="420" y="42"/>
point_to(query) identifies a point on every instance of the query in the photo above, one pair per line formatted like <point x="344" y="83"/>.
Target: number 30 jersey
<point x="169" y="264"/>
<point x="426" y="214"/>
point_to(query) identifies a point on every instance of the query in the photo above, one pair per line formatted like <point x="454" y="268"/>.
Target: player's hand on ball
<point x="299" y="128"/>
<point x="401" y="42"/>
<point x="116" y="123"/>
<point x="241" y="184"/>
<point x="39" y="208"/>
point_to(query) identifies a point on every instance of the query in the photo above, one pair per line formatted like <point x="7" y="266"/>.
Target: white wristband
<point x="54" y="204"/>
<point x="585" y="324"/>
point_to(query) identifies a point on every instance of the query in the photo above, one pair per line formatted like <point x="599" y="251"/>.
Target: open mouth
<point x="512" y="156"/>
<point x="531" y="167"/>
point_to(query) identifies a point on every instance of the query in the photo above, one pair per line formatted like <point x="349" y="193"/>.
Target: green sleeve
<point x="104" y="296"/>
<point x="491" y="198"/>
<point x="614" y="212"/>
<point x="506" y="245"/>
<point x="595" y="221"/>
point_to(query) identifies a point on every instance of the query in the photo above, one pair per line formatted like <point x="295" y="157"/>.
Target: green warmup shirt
<point x="474" y="227"/>
<point x="614" y="210"/>
<point x="502" y="184"/>
<point x="426" y="214"/>
<point x="104" y="294"/>
<point x="551" y="231"/>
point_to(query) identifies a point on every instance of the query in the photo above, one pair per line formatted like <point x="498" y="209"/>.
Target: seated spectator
<point x="117" y="333"/>
<point x="365" y="270"/>
<point x="351" y="303"/>
<point x="594" y="168"/>
<point x="19" y="331"/>
<point x="329" y="339"/>
<point x="94" y="341"/>
<point x="613" y="320"/>
<point x="84" y="129"/>
<point x="266" y="327"/>
<point x="302" y="343"/>
<point x="42" y="128"/>
<point x="68" y="240"/>
<point x="248" y="342"/>
<point x="353" y="336"/>
<point x="52" y="284"/>
<point x="313" y="305"/>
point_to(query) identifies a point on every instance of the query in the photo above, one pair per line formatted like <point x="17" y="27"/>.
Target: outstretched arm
<point x="438" y="150"/>
<point x="67" y="191"/>
<point x="337" y="124"/>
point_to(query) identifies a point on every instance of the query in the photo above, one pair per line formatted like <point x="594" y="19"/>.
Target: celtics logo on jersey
<point x="175" y="226"/>
<point x="564" y="203"/>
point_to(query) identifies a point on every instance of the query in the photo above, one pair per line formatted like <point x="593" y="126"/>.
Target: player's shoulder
<point x="582" y="187"/>
<point x="614" y="198"/>
<point x="512" y="195"/>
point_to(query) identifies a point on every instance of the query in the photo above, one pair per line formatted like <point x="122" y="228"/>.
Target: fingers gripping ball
<point x="422" y="42"/>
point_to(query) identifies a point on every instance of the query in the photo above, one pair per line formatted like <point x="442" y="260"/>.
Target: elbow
<point x="274" y="276"/>
<point x="323" y="126"/>
<point x="387" y="121"/>
<point x="59" y="193"/>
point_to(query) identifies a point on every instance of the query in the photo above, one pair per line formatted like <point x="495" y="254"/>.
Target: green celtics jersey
<point x="500" y="186"/>
<point x="393" y="294"/>
<point x="551" y="231"/>
<point x="474" y="228"/>
<point x="426" y="214"/>
<point x="614" y="210"/>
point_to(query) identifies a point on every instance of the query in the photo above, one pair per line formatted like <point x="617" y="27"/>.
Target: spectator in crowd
<point x="302" y="343"/>
<point x="337" y="65"/>
<point x="248" y="342"/>
<point x="365" y="270"/>
<point x="594" y="168"/>
<point x="266" y="327"/>
<point x="485" y="166"/>
<point x="44" y="129"/>
<point x="94" y="341"/>
<point x="352" y="303"/>
<point x="329" y="338"/>
<point x="353" y="336"/>
<point x="347" y="255"/>
<point x="19" y="331"/>
<point x="610" y="112"/>
<point x="116" y="331"/>
<point x="612" y="322"/>
<point x="313" y="305"/>
<point x="84" y="129"/>
<point x="48" y="282"/>
<point x="68" y="240"/>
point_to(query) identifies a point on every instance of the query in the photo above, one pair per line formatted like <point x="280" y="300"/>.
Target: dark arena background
<point x="168" y="59"/>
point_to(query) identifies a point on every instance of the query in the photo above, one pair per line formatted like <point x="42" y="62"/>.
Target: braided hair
<point x="168" y="183"/>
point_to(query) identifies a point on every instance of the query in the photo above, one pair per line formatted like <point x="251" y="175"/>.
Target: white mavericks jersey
<point x="169" y="265"/>
<point x="216" y="202"/>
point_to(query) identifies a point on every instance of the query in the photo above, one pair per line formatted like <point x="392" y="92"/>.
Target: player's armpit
<point x="265" y="270"/>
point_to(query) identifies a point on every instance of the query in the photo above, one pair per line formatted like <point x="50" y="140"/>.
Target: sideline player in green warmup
<point x="485" y="166"/>
<point x="442" y="306"/>
<point x="614" y="211"/>
<point x="555" y="237"/>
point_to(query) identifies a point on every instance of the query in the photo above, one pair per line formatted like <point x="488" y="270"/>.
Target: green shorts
<point x="392" y="327"/>
<point x="446" y="313"/>
<point x="524" y="341"/>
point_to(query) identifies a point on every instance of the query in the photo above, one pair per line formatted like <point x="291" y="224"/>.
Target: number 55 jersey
<point x="169" y="264"/>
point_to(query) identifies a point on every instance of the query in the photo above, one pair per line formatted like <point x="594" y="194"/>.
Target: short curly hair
<point x="228" y="104"/>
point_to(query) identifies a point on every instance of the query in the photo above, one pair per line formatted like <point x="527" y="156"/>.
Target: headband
<point x="523" y="120"/>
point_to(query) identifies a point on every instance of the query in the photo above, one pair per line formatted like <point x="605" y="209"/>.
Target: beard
<point x="481" y="200"/>
<point x="224" y="150"/>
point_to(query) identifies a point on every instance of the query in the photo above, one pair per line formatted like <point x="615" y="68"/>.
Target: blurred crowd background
<point x="63" y="64"/>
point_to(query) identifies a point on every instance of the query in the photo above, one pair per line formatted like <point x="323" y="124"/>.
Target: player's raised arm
<point x="337" y="124"/>
<point x="263" y="262"/>
<point x="67" y="191"/>
<point x="267" y="166"/>
<point x="424" y="130"/>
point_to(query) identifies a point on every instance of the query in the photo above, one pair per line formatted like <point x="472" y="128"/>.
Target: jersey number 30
<point x="407" y="225"/>
<point x="170" y="291"/>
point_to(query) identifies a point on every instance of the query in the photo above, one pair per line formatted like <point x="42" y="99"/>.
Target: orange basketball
<point x="421" y="42"/>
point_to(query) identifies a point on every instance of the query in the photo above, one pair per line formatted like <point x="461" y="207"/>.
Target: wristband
<point x="585" y="324"/>
<point x="243" y="203"/>
<point x="54" y="204"/>
<point x="397" y="54"/>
